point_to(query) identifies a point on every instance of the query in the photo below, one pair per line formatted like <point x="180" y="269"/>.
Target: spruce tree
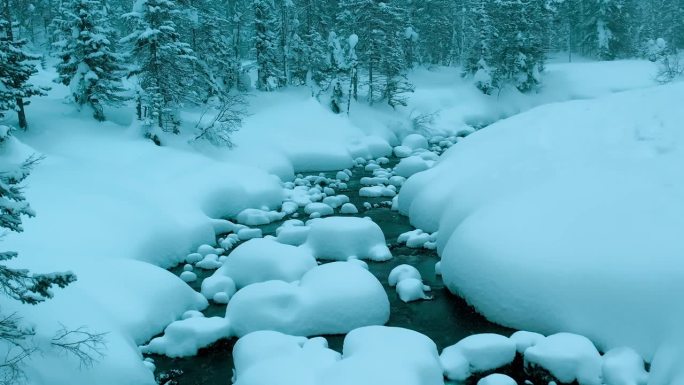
<point x="16" y="67"/>
<point x="164" y="64"/>
<point x="266" y="43"/>
<point x="88" y="63"/>
<point x="478" y="51"/>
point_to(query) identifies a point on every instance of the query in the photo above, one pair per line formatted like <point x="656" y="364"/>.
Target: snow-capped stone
<point x="402" y="272"/>
<point x="349" y="208"/>
<point x="412" y="289"/>
<point x="568" y="357"/>
<point x="475" y="354"/>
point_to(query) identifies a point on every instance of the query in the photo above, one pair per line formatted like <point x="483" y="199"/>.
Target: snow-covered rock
<point x="568" y="357"/>
<point x="256" y="217"/>
<point x="496" y="379"/>
<point x="218" y="283"/>
<point x="411" y="165"/>
<point x="475" y="354"/>
<point x="412" y="289"/>
<point x="349" y="208"/>
<point x="260" y="260"/>
<point x="623" y="366"/>
<point x="185" y="337"/>
<point x="321" y="209"/>
<point x="415" y="142"/>
<point x="402" y="272"/>
<point x="330" y="299"/>
<point x="342" y="238"/>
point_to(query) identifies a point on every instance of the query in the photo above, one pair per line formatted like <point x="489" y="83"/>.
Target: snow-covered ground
<point x="117" y="210"/>
<point x="567" y="217"/>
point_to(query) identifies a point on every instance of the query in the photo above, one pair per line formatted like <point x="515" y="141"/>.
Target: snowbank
<point x="584" y="204"/>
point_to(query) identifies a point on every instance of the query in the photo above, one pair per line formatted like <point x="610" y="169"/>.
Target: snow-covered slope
<point x="567" y="218"/>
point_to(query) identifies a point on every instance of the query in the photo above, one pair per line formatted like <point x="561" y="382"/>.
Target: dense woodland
<point x="193" y="52"/>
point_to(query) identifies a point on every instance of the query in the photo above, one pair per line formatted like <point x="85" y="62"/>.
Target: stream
<point x="446" y="318"/>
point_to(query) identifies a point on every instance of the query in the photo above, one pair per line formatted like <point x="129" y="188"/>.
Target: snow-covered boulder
<point x="411" y="165"/>
<point x="386" y="355"/>
<point x="415" y="142"/>
<point x="185" y="337"/>
<point x="568" y="357"/>
<point x="319" y="208"/>
<point x="262" y="259"/>
<point x="402" y="272"/>
<point x="623" y="366"/>
<point x="342" y="238"/>
<point x="476" y="354"/>
<point x="330" y="299"/>
<point x="412" y="289"/>
<point x="497" y="379"/>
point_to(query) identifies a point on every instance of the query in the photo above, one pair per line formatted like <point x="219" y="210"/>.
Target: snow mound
<point x="411" y="165"/>
<point x="342" y="238"/>
<point x="623" y="366"/>
<point x="412" y="289"/>
<point x="268" y="357"/>
<point x="260" y="260"/>
<point x="568" y="193"/>
<point x="568" y="357"/>
<point x="330" y="299"/>
<point x="386" y="355"/>
<point x="185" y="337"/>
<point x="497" y="379"/>
<point x="415" y="142"/>
<point x="476" y="354"/>
<point x="372" y="355"/>
<point x="256" y="217"/>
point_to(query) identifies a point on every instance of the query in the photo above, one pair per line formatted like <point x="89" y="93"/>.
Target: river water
<point x="446" y="318"/>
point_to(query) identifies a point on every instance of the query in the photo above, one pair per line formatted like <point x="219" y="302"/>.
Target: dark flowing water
<point x="446" y="318"/>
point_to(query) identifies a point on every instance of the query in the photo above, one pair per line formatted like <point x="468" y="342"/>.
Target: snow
<point x="412" y="289"/>
<point x="401" y="273"/>
<point x="411" y="165"/>
<point x="117" y="210"/>
<point x="321" y="209"/>
<point x="217" y="284"/>
<point x="293" y="235"/>
<point x="185" y="337"/>
<point x="268" y="357"/>
<point x="415" y="142"/>
<point x="524" y="340"/>
<point x="496" y="379"/>
<point x="349" y="208"/>
<point x="623" y="366"/>
<point x="562" y="199"/>
<point x="371" y="355"/>
<point x="386" y="355"/>
<point x="343" y="238"/>
<point x="330" y="299"/>
<point x="260" y="260"/>
<point x="476" y="354"/>
<point x="256" y="217"/>
<point x="568" y="357"/>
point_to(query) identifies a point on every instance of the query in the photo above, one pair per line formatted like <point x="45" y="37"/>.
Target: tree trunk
<point x="21" y="114"/>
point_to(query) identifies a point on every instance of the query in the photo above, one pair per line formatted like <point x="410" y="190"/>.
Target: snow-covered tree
<point x="266" y="27"/>
<point x="380" y="27"/>
<point x="16" y="67"/>
<point x="164" y="64"/>
<point x="88" y="62"/>
<point x="478" y="55"/>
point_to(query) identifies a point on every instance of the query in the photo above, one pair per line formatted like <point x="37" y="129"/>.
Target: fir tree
<point x="16" y="68"/>
<point x="478" y="56"/>
<point x="266" y="29"/>
<point x="88" y="63"/>
<point x="164" y="64"/>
